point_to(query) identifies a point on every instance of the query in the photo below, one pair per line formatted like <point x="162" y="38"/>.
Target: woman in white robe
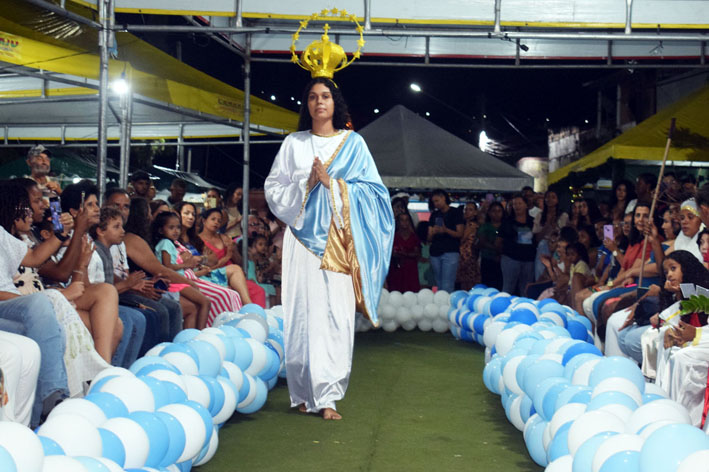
<point x="336" y="251"/>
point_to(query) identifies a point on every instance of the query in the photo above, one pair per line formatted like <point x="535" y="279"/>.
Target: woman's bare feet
<point x="302" y="408"/>
<point x="330" y="414"/>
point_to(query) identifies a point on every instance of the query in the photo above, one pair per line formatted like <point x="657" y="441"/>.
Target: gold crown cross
<point x="322" y="57"/>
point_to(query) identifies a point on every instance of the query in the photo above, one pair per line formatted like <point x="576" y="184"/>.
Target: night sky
<point x="462" y="101"/>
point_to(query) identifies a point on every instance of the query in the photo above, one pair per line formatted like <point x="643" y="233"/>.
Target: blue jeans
<point x="445" y="268"/>
<point x="516" y="275"/>
<point x="33" y="316"/>
<point x="629" y="341"/>
<point x="133" y="334"/>
<point x="163" y="318"/>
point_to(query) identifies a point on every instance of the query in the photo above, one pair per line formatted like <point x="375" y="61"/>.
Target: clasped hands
<point x="318" y="173"/>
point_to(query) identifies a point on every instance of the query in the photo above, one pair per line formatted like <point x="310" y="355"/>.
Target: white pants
<point x="688" y="380"/>
<point x="19" y="361"/>
<point x="319" y="316"/>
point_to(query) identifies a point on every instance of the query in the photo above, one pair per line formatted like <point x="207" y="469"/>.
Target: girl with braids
<point x="81" y="360"/>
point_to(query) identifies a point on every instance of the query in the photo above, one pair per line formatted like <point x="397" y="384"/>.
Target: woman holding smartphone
<point x="445" y="231"/>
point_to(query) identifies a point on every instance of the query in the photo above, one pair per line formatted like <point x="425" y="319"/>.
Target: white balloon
<point x="425" y="324"/>
<point x="195" y="432"/>
<point x="389" y="326"/>
<point x="112" y="466"/>
<point x="197" y="390"/>
<point x="509" y="375"/>
<point x="425" y="296"/>
<point x="618" y="384"/>
<point x="183" y="362"/>
<point x="561" y="464"/>
<point x="134" y="438"/>
<point x="80" y="407"/>
<point x="109" y="371"/>
<point x="212" y="449"/>
<point x="505" y="340"/>
<point x="410" y="299"/>
<point x="259" y="359"/>
<point x="492" y="331"/>
<point x="135" y="393"/>
<point x="396" y="299"/>
<point x="442" y="297"/>
<point x="417" y="313"/>
<point x="214" y="340"/>
<point x="383" y="297"/>
<point x="63" y="464"/>
<point x="402" y="314"/>
<point x="440" y="326"/>
<point x="76" y="435"/>
<point x="516" y="414"/>
<point x="23" y="445"/>
<point x="583" y="372"/>
<point x="169" y="376"/>
<point x="659" y="410"/>
<point x="654" y="389"/>
<point x="430" y="311"/>
<point x="566" y="413"/>
<point x="614" y="444"/>
<point x="387" y="312"/>
<point x="408" y="325"/>
<point x="591" y="423"/>
<point x="230" y="398"/>
<point x="443" y="311"/>
<point x="695" y="462"/>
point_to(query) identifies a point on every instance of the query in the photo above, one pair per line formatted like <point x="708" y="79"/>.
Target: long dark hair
<point x="14" y="200"/>
<point x="629" y="191"/>
<point x="156" y="227"/>
<point x="191" y="232"/>
<point x="635" y="235"/>
<point x="139" y="219"/>
<point x="545" y="212"/>
<point x="693" y="272"/>
<point x="340" y="117"/>
<point x="494" y="204"/>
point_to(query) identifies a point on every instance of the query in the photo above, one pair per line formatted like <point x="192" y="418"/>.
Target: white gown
<point x="318" y="305"/>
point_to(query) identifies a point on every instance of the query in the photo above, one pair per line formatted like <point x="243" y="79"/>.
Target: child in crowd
<point x="703" y="241"/>
<point x="266" y="267"/>
<point x="165" y="231"/>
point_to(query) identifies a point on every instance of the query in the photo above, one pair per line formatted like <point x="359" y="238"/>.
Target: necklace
<point x="339" y="131"/>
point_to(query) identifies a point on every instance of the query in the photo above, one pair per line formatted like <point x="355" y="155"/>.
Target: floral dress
<point x="469" y="263"/>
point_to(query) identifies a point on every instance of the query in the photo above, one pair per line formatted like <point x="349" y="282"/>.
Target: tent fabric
<point x="152" y="73"/>
<point x="411" y="152"/>
<point x="647" y="141"/>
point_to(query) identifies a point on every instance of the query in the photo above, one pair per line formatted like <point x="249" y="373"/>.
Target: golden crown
<point x="323" y="58"/>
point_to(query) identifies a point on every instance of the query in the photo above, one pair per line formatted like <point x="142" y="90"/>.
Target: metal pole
<point x="628" y="16"/>
<point x="126" y="128"/>
<point x="105" y="13"/>
<point x="367" y="15"/>
<point x="247" y="141"/>
<point x="181" y="149"/>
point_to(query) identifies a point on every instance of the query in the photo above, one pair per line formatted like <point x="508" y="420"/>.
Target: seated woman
<point x="229" y="275"/>
<point x="81" y="360"/>
<point x="166" y="233"/>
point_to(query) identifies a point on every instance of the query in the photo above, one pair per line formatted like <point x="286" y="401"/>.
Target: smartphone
<point x="55" y="208"/>
<point x="83" y="198"/>
<point x="608" y="232"/>
<point x="439" y="221"/>
<point x="161" y="285"/>
<point x="210" y="202"/>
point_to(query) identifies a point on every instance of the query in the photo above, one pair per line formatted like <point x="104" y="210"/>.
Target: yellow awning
<point x="152" y="72"/>
<point x="647" y="140"/>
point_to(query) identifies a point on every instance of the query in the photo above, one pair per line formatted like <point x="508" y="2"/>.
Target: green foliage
<point x="695" y="304"/>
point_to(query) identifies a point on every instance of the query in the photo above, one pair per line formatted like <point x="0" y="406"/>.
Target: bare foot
<point x="330" y="414"/>
<point x="302" y="408"/>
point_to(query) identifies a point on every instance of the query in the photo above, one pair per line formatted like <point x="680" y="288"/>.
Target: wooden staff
<point x="654" y="199"/>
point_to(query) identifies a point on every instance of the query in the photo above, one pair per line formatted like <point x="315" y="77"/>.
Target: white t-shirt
<point x="13" y="251"/>
<point x="120" y="261"/>
<point x="95" y="269"/>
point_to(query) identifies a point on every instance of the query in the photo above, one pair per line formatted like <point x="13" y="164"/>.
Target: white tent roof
<point x="411" y="152"/>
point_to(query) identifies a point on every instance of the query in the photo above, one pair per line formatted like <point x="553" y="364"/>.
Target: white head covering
<point x="683" y="242"/>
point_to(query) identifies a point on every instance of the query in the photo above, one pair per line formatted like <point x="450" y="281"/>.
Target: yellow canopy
<point x="152" y="73"/>
<point x="647" y="140"/>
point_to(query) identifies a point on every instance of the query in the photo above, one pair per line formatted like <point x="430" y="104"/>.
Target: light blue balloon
<point x="552" y="394"/>
<point x="243" y="355"/>
<point x="152" y="360"/>
<point x="583" y="459"/>
<point x="158" y="436"/>
<point x="540" y="346"/>
<point x="669" y="445"/>
<point x="7" y="463"/>
<point x="522" y="368"/>
<point x="185" y="466"/>
<point x="535" y="444"/>
<point x="612" y="398"/>
<point x="175" y="394"/>
<point x="113" y="447"/>
<point x="92" y="464"/>
<point x="559" y="445"/>
<point x="272" y="366"/>
<point x="651" y="397"/>
<point x="111" y="405"/>
<point x="537" y="372"/>
<point x="508" y="404"/>
<point x="259" y="400"/>
<point x="624" y="461"/>
<point x="568" y="393"/>
<point x="576" y="362"/>
<point x="209" y="360"/>
<point x="582" y="396"/>
<point x="186" y="335"/>
<point x="159" y="389"/>
<point x="272" y="382"/>
<point x="526" y="408"/>
<point x="491" y="374"/>
<point x="582" y="319"/>
<point x="176" y="438"/>
<point x="544" y="387"/>
<point x="216" y="394"/>
<point x="50" y="446"/>
<point x="253" y="308"/>
<point x="617" y="366"/>
<point x="206" y="417"/>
